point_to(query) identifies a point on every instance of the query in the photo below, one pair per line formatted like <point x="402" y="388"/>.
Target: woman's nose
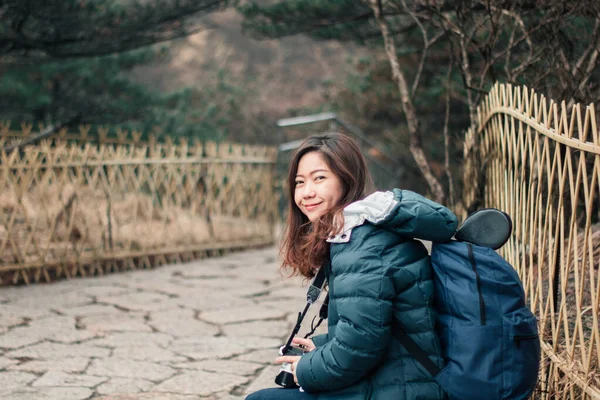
<point x="309" y="191"/>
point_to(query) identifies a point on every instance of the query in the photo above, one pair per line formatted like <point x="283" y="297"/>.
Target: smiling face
<point x="317" y="189"/>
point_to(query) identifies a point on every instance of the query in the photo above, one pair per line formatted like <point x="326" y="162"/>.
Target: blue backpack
<point x="489" y="336"/>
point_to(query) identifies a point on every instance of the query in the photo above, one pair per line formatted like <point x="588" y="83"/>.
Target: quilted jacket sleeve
<point x="418" y="217"/>
<point x="362" y="335"/>
<point x="320" y="340"/>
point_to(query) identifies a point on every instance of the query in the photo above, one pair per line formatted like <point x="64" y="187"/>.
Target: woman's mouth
<point x="310" y="207"/>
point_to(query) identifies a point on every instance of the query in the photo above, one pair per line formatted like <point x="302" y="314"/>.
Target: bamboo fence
<point x="85" y="134"/>
<point x="540" y="162"/>
<point x="69" y="207"/>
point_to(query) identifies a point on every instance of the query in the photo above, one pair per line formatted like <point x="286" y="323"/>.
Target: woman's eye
<point x="318" y="178"/>
<point x="298" y="183"/>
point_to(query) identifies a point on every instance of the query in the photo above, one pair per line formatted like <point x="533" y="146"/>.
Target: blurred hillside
<point x="266" y="80"/>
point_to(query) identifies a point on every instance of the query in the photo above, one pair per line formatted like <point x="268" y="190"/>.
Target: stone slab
<point x="66" y="364"/>
<point x="201" y="383"/>
<point x="56" y="328"/>
<point x="145" y="352"/>
<point x="73" y="393"/>
<point x="172" y="287"/>
<point x="202" y="348"/>
<point x="7" y="363"/>
<point x="266" y="379"/>
<point x="106" y="291"/>
<point x="19" y="337"/>
<point x="19" y="311"/>
<point x="61" y="329"/>
<point x="230" y="286"/>
<point x="63" y="379"/>
<point x="49" y="351"/>
<point x="54" y="301"/>
<point x="265" y="356"/>
<point x="16" y="293"/>
<point x="268" y="328"/>
<point x="233" y="367"/>
<point x="92" y="309"/>
<point x="180" y="323"/>
<point x="138" y="301"/>
<point x="291" y="293"/>
<point x="6" y="321"/>
<point x="125" y="368"/>
<point x="14" y="380"/>
<point x="125" y="322"/>
<point x="152" y="396"/>
<point x="127" y="339"/>
<point x="228" y="396"/>
<point x="242" y="314"/>
<point x="210" y="299"/>
<point x="294" y="305"/>
<point x="124" y="385"/>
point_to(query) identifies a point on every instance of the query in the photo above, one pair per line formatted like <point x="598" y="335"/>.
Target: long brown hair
<point x="304" y="247"/>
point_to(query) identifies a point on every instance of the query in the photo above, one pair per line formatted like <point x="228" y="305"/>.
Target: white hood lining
<point x="374" y="208"/>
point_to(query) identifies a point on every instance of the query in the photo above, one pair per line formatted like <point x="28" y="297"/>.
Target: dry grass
<point x="56" y="222"/>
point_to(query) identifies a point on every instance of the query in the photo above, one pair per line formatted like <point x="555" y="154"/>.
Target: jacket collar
<point x="374" y="208"/>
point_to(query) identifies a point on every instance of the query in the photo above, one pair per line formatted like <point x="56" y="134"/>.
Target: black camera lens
<point x="285" y="377"/>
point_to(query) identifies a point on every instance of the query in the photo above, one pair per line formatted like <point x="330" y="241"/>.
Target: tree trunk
<point x="407" y="106"/>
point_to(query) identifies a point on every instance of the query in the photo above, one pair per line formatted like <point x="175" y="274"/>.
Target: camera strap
<point x="321" y="280"/>
<point x="316" y="286"/>
<point x="314" y="290"/>
<point x="322" y="316"/>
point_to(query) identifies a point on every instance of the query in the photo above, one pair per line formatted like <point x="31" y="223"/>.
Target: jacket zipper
<point x="478" y="279"/>
<point x="520" y="338"/>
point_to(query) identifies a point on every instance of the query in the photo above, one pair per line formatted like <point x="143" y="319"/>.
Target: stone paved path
<point x="208" y="329"/>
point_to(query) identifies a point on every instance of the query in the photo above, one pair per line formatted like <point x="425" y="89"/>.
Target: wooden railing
<point x="70" y="208"/>
<point x="540" y="162"/>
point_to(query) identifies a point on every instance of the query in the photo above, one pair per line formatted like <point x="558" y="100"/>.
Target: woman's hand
<point x="293" y="360"/>
<point x="305" y="344"/>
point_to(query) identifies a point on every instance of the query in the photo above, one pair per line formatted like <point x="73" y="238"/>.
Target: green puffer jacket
<point x="378" y="271"/>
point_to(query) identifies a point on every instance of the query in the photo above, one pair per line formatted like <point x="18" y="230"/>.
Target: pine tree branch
<point x="49" y="30"/>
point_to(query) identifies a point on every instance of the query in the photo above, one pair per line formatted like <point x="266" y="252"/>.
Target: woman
<point x="376" y="271"/>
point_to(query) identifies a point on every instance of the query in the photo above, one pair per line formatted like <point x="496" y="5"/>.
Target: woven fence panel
<point x="68" y="209"/>
<point x="540" y="162"/>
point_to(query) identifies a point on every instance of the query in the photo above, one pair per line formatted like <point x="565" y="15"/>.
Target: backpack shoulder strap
<point x="413" y="349"/>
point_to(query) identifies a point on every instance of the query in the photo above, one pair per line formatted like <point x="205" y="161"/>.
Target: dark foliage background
<point x="227" y="70"/>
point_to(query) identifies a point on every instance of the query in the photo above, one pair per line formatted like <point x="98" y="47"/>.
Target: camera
<point x="285" y="377"/>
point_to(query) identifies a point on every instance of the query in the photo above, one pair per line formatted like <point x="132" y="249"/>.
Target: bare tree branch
<point x="447" y="138"/>
<point x="511" y="43"/>
<point x="591" y="52"/>
<point x="407" y="105"/>
<point x="425" y="47"/>
<point x="519" y="69"/>
<point x="593" y="46"/>
<point x="468" y="77"/>
<point x="463" y="55"/>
